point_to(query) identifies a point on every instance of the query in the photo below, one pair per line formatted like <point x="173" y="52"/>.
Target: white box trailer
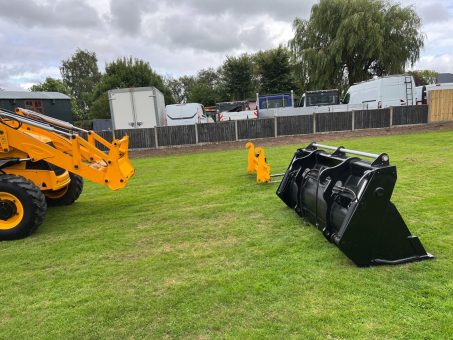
<point x="137" y="107"/>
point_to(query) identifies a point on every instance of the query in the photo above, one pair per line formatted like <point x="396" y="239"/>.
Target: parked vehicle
<point x="422" y="92"/>
<point x="140" y="107"/>
<point x="44" y="162"/>
<point x="238" y="115"/>
<point x="382" y="92"/>
<point x="320" y="98"/>
<point x="185" y="114"/>
<point x="238" y="110"/>
<point x="273" y="101"/>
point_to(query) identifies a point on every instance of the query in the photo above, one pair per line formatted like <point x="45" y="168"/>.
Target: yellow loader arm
<point x="38" y="137"/>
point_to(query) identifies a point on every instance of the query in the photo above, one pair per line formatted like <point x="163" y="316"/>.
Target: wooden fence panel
<point x="176" y="135"/>
<point x="441" y="105"/>
<point x="216" y="132"/>
<point x="138" y="138"/>
<point x="333" y="121"/>
<point x="406" y="115"/>
<point x="286" y="125"/>
<point x="371" y="119"/>
<point x="255" y="128"/>
<point x="294" y="125"/>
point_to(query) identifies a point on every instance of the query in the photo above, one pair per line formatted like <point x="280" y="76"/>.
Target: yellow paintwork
<point x="263" y="170"/>
<point x="75" y="154"/>
<point x="257" y="163"/>
<point x="44" y="179"/>
<point x="14" y="220"/>
<point x="252" y="160"/>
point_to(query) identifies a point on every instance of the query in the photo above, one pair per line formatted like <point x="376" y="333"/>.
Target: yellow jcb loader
<point x="43" y="162"/>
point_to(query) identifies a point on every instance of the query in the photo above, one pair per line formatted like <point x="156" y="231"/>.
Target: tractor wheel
<point x="67" y="195"/>
<point x="22" y="207"/>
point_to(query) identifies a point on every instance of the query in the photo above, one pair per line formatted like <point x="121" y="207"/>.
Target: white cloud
<point x="176" y="37"/>
<point x="440" y="63"/>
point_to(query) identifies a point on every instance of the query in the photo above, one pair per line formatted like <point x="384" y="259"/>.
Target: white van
<point x="185" y="114"/>
<point x="382" y="92"/>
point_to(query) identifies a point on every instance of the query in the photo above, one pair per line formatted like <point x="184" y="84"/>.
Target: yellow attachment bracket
<point x="263" y="170"/>
<point x="252" y="163"/>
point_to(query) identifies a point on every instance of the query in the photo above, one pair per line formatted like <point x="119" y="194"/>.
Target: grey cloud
<point x="63" y="13"/>
<point x="433" y="13"/>
<point x="211" y="34"/>
<point x="127" y="15"/>
<point x="279" y="10"/>
<point x="189" y="32"/>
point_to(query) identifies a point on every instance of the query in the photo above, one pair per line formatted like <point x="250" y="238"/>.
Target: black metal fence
<point x="272" y="127"/>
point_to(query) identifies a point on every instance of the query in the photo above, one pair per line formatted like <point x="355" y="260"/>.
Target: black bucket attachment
<point x="348" y="199"/>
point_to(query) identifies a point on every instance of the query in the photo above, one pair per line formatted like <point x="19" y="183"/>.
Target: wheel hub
<point x="7" y="209"/>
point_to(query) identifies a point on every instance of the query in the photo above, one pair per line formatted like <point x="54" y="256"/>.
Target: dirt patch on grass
<point x="285" y="140"/>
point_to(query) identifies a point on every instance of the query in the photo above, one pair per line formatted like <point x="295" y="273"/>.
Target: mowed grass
<point x="193" y="247"/>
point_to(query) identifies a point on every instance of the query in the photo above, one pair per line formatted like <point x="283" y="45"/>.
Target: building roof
<point x="32" y="95"/>
<point x="444" y="78"/>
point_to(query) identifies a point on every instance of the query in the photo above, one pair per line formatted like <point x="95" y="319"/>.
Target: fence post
<point x="391" y="116"/>
<point x="196" y="133"/>
<point x="353" y="120"/>
<point x="236" y="129"/>
<point x="155" y="137"/>
<point x="314" y="122"/>
<point x="275" y="127"/>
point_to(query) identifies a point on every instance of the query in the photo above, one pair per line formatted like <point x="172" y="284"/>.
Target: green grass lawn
<point x="193" y="247"/>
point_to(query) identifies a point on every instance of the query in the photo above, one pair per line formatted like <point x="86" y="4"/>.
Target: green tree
<point x="176" y="87"/>
<point x="57" y="85"/>
<point x="80" y="74"/>
<point x="207" y="87"/>
<point x="344" y="42"/>
<point x="273" y="68"/>
<point x="237" y="77"/>
<point x="424" y="77"/>
<point x="124" y="73"/>
<point x="202" y="93"/>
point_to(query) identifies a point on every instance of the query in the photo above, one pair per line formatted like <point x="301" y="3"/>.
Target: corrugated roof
<point x="32" y="95"/>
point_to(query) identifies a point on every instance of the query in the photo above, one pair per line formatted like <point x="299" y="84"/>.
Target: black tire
<point x="67" y="195"/>
<point x="29" y="214"/>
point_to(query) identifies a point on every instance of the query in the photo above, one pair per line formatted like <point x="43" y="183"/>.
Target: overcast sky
<point x="175" y="37"/>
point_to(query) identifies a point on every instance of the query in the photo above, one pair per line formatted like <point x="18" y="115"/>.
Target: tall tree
<point x="124" y="73"/>
<point x="237" y="76"/>
<point x="176" y="87"/>
<point x="57" y="85"/>
<point x="207" y="87"/>
<point x="350" y="41"/>
<point x="274" y="70"/>
<point x="80" y="74"/>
